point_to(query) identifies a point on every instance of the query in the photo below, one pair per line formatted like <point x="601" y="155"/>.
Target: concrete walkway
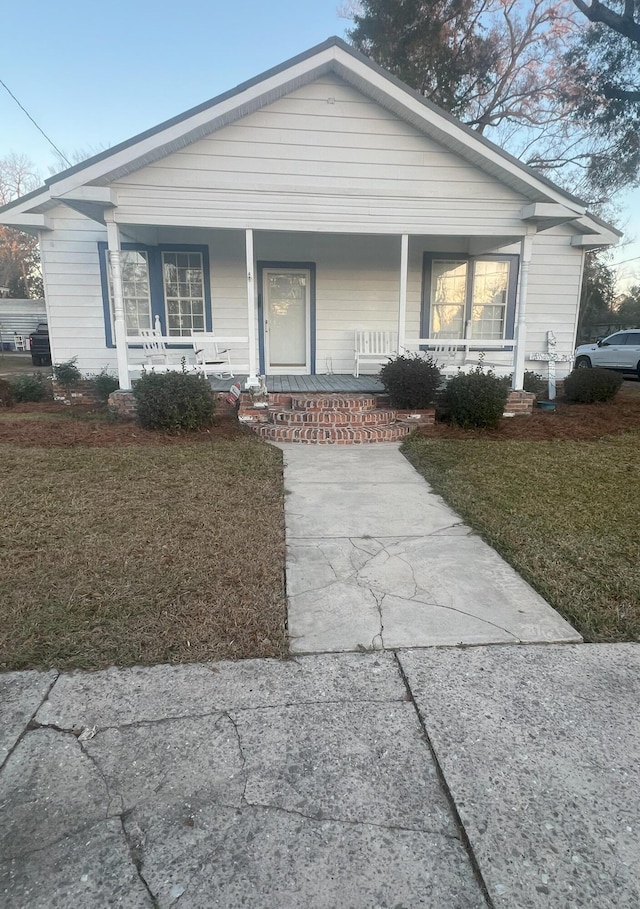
<point x="375" y="560"/>
<point x="503" y="777"/>
<point x="491" y="777"/>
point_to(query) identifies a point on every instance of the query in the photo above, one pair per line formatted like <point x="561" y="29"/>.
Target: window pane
<point x="489" y="299"/>
<point x="184" y="292"/>
<point x="448" y="296"/>
<point x="135" y="290"/>
<point x="447" y="320"/>
<point x="487" y="322"/>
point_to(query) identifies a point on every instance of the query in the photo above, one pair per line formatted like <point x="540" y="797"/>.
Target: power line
<point x="623" y="262"/>
<point x="39" y="128"/>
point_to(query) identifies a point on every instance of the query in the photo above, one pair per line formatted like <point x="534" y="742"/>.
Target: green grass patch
<point x="8" y="416"/>
<point x="16" y="364"/>
<point x="564" y="514"/>
<point x="130" y="555"/>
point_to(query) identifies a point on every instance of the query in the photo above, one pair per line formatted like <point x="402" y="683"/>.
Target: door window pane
<point x="448" y="297"/>
<point x="287" y="319"/>
<point x="183" y="277"/>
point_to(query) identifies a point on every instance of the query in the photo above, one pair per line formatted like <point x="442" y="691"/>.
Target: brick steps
<point x="347" y="403"/>
<point x="333" y="418"/>
<point x="333" y="435"/>
<point x="325" y="419"/>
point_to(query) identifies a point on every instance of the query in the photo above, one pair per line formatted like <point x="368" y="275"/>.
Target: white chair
<point x="373" y="347"/>
<point x="210" y="360"/>
<point x="445" y="356"/>
<point x="153" y="347"/>
<point x="20" y="342"/>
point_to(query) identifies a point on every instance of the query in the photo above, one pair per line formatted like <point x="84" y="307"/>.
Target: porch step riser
<point x="328" y="418"/>
<point x="354" y="404"/>
<point x="332" y="436"/>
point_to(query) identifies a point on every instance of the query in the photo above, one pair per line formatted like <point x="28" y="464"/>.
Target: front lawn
<point x="14" y="364"/>
<point x="129" y="551"/>
<point x="565" y="514"/>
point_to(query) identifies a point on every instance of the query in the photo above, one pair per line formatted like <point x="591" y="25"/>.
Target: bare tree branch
<point x="624" y="24"/>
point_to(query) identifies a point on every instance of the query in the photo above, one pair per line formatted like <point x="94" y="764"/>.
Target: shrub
<point x="588" y="386"/>
<point x="67" y="374"/>
<point x="476" y="399"/>
<point x="29" y="388"/>
<point x="7" y="397"/>
<point x="173" y="402"/>
<point x="411" y="380"/>
<point x="104" y="384"/>
<point x="536" y="384"/>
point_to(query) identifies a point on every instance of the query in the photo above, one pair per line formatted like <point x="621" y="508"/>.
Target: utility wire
<point x="623" y="262"/>
<point x="51" y="143"/>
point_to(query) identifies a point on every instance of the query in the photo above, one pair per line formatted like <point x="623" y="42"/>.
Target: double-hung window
<point x="183" y="278"/>
<point x="136" y="290"/>
<point x="469" y="297"/>
<point x="165" y="283"/>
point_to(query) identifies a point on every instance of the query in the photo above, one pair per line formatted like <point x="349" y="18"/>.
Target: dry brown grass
<point x="563" y="513"/>
<point x="19" y="364"/>
<point x="140" y="554"/>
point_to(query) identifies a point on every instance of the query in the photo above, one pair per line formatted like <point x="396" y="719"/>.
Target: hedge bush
<point x="174" y="402"/>
<point x="476" y="399"/>
<point x="536" y="384"/>
<point x="104" y="384"/>
<point x="591" y="386"/>
<point x="30" y="388"/>
<point x="411" y="381"/>
<point x="7" y="397"/>
<point x="67" y="374"/>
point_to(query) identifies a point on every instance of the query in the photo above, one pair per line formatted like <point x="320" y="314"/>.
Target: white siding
<point x="357" y="285"/>
<point x="554" y="295"/>
<point x="323" y="158"/>
<point x="73" y="293"/>
<point x="303" y="172"/>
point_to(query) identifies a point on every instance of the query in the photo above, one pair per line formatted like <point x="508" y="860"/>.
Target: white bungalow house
<point x="322" y="197"/>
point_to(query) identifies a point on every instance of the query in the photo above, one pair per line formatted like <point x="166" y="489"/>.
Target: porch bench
<point x="373" y="347"/>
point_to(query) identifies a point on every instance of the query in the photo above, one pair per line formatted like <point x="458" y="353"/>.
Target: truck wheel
<point x="583" y="363"/>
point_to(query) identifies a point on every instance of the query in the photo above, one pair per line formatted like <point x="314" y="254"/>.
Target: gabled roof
<point x="332" y="56"/>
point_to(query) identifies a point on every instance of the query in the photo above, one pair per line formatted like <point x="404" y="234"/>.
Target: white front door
<point x="287" y="338"/>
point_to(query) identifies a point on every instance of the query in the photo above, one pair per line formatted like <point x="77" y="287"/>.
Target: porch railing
<point x="460" y="352"/>
<point x="135" y="343"/>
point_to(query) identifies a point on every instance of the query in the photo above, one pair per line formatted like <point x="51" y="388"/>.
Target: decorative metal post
<point x="551" y="357"/>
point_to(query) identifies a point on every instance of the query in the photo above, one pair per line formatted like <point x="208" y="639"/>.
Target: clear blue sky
<point x="93" y="74"/>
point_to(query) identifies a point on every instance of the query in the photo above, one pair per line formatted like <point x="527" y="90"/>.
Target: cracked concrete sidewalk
<point x="376" y="560"/>
<point x="504" y="777"/>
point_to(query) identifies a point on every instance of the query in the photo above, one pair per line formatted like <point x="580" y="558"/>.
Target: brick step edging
<point x="332" y="435"/>
<point x="328" y="418"/>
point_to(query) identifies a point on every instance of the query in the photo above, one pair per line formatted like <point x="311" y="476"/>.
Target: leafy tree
<point x="492" y="63"/>
<point x="603" y="89"/>
<point x="598" y="295"/>
<point x="563" y="98"/>
<point x="629" y="309"/>
<point x="19" y="254"/>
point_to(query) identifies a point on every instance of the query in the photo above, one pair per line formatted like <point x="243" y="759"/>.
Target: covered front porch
<point x="289" y="304"/>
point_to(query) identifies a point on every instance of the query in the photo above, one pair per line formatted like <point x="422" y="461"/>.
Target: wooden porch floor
<point x="333" y="383"/>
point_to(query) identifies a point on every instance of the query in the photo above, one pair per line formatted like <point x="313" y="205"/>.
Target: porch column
<point x="113" y="243"/>
<point x="402" y="303"/>
<point x="526" y="248"/>
<point x="251" y="312"/>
